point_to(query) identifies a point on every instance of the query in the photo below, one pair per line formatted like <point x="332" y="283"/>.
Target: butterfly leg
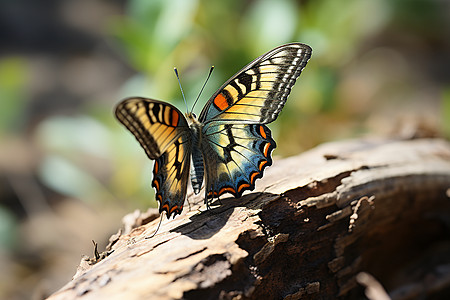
<point x="189" y="204"/>
<point x="208" y="201"/>
<point x="159" y="224"/>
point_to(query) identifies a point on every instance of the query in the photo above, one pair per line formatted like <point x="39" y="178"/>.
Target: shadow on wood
<point x="313" y="223"/>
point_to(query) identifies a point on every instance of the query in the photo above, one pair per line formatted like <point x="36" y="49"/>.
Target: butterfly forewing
<point x="155" y="124"/>
<point x="164" y="134"/>
<point x="257" y="93"/>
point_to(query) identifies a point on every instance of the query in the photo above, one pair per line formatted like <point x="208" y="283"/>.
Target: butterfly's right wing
<point x="163" y="132"/>
<point x="257" y="93"/>
<point x="236" y="143"/>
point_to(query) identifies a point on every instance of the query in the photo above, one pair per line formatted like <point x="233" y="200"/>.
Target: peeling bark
<point x="314" y="222"/>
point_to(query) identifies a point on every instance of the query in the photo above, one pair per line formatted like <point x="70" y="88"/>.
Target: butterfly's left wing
<point x="236" y="144"/>
<point x="163" y="132"/>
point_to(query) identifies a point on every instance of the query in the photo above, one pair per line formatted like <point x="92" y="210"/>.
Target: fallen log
<point x="313" y="224"/>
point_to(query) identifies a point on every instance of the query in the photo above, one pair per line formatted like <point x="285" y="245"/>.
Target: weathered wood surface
<point x="313" y="223"/>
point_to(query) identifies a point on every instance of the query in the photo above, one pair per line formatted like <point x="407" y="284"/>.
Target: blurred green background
<point x="69" y="171"/>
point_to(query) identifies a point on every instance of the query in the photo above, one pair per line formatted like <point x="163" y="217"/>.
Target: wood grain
<point x="313" y="223"/>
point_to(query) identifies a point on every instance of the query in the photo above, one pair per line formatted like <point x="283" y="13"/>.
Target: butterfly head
<point x="192" y="118"/>
<point x="194" y="124"/>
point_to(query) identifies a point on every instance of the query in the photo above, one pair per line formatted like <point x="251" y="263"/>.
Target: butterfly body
<point x="229" y="144"/>
<point x="197" y="170"/>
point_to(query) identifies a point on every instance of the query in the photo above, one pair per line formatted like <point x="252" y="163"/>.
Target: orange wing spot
<point x="221" y="102"/>
<point x="175" y="118"/>
<point x="156" y="183"/>
<point x="175" y="208"/>
<point x="266" y="149"/>
<point x="165" y="207"/>
<point x="262" y="164"/>
<point x="227" y="189"/>
<point x="156" y="167"/>
<point x="243" y="186"/>
<point x="252" y="177"/>
<point x="159" y="198"/>
<point x="262" y="132"/>
<point x="211" y="194"/>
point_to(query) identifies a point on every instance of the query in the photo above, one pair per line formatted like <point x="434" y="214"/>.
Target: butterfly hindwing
<point x="163" y="132"/>
<point x="237" y="156"/>
<point x="170" y="176"/>
<point x="257" y="93"/>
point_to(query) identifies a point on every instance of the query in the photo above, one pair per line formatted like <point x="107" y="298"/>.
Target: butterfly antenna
<point x="154" y="233"/>
<point x="207" y="78"/>
<point x="179" y="83"/>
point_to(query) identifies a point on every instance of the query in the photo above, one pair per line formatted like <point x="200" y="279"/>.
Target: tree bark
<point x="308" y="230"/>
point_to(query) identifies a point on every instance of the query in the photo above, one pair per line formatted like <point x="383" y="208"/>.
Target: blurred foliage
<point x="379" y="67"/>
<point x="12" y="95"/>
<point x="445" y="115"/>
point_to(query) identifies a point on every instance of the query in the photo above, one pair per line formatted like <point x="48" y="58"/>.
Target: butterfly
<point x="229" y="144"/>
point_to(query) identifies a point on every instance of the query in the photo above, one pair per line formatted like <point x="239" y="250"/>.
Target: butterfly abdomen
<point x="197" y="168"/>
